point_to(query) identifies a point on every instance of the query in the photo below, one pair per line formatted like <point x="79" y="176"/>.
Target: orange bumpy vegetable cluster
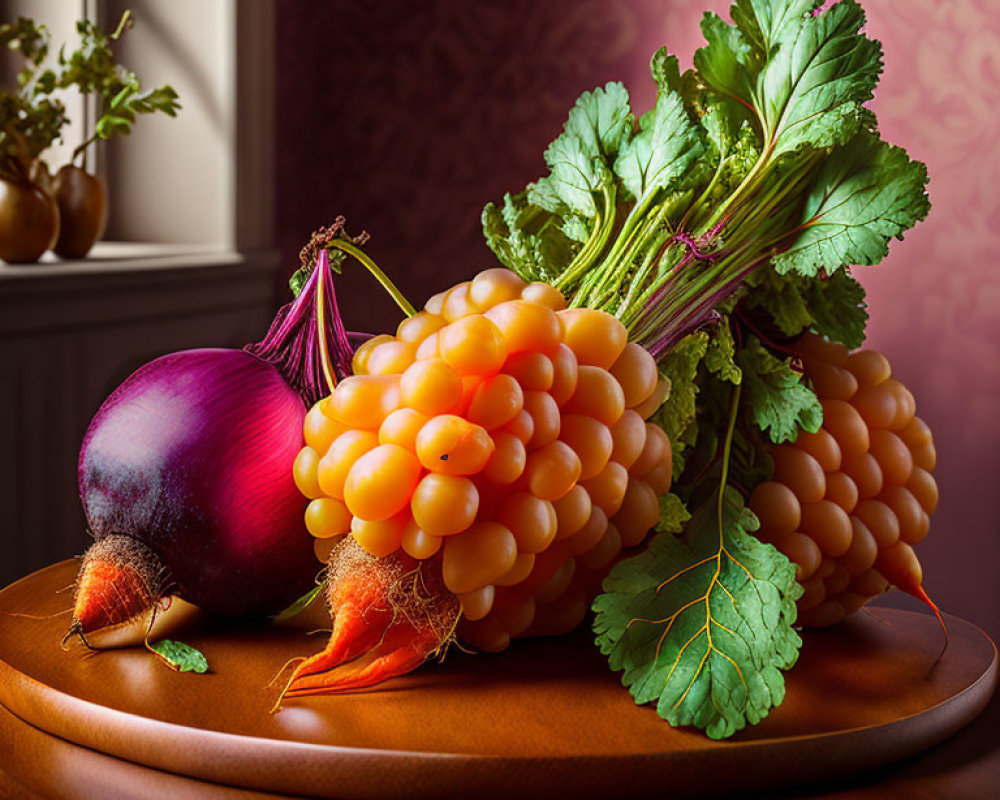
<point x="848" y="502"/>
<point x="505" y="435"/>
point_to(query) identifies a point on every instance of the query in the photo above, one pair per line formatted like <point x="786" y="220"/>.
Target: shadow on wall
<point x="409" y="117"/>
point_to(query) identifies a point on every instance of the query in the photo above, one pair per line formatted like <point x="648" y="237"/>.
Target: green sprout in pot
<point x="30" y="121"/>
<point x="67" y="212"/>
<point x="81" y="196"/>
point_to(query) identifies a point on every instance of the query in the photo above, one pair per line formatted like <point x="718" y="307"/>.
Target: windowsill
<point x="118" y="257"/>
<point x="125" y="281"/>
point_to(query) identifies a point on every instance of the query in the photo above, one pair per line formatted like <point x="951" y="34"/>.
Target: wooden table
<point x="545" y="716"/>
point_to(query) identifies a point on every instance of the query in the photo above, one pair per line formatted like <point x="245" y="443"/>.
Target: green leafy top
<point x="779" y="402"/>
<point x="31" y="119"/>
<point x="717" y="226"/>
<point x="761" y="160"/>
<point x="91" y="68"/>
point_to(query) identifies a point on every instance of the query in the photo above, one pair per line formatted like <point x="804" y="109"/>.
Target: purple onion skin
<point x="192" y="455"/>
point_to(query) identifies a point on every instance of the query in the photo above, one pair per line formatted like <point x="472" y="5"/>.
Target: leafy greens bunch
<point x="723" y="220"/>
<point x="33" y="116"/>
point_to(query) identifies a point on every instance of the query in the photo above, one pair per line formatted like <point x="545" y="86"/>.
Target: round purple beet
<point x="192" y="455"/>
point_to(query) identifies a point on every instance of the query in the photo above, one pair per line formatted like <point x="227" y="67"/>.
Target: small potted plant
<point x="31" y="119"/>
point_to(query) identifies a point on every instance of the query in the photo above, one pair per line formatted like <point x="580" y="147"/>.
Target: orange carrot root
<point x="120" y="579"/>
<point x="390" y="615"/>
<point x="923" y="597"/>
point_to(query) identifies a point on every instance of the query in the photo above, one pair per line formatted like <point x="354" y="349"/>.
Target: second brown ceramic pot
<point x="83" y="211"/>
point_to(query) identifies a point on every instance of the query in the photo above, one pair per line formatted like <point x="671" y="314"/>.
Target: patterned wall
<point x="408" y="117"/>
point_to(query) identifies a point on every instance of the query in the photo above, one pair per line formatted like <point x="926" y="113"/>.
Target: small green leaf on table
<point x="179" y="656"/>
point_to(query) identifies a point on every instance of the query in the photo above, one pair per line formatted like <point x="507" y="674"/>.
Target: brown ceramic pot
<point x="29" y="221"/>
<point x="83" y="211"/>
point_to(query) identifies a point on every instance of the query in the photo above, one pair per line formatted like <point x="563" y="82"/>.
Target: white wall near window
<point x="173" y="180"/>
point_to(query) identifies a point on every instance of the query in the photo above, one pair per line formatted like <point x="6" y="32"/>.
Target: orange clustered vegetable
<point x="847" y="503"/>
<point x="499" y="438"/>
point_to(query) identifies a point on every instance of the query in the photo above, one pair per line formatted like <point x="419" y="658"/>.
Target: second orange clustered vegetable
<point x="505" y="435"/>
<point x="847" y="503"/>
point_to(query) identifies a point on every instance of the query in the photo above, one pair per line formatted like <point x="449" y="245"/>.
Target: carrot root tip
<point x="120" y="578"/>
<point x="390" y="616"/>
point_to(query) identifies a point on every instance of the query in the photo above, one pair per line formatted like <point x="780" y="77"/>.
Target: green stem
<point x="727" y="449"/>
<point x="695" y="206"/>
<point x="605" y="280"/>
<point x="82" y="148"/>
<point x="583" y="260"/>
<point x="654" y="257"/>
<point x="604" y="225"/>
<point x="650" y="240"/>
<point x="745" y="186"/>
<point x="381" y="277"/>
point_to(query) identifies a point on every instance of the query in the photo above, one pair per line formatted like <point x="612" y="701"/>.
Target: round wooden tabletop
<point x="546" y="716"/>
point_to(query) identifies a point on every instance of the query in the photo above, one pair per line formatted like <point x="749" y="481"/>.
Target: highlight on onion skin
<point x="190" y="456"/>
<point x="185" y="472"/>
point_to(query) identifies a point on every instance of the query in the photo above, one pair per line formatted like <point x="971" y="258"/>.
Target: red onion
<point x="186" y="471"/>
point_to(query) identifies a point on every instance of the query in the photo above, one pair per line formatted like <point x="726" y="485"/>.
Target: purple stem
<point x="292" y="341"/>
<point x="700" y="314"/>
<point x="693" y="246"/>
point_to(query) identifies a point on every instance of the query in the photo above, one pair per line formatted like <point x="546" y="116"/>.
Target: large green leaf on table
<point x="702" y="624"/>
<point x="667" y="146"/>
<point x="780" y="403"/>
<point x="871" y="193"/>
<point x="598" y="126"/>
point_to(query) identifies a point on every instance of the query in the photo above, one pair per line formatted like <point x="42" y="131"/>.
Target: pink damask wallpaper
<point x="408" y="117"/>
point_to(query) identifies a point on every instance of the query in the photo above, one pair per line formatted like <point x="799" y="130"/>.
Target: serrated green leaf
<point x="667" y="145"/>
<point x="576" y="229"/>
<point x="812" y="90"/>
<point x="780" y="403"/>
<point x="869" y="194"/>
<point x="765" y="23"/>
<point x="720" y="357"/>
<point x="832" y="306"/>
<point x="579" y="159"/>
<point x="666" y="70"/>
<point x="807" y="76"/>
<point x="702" y="624"/>
<point x="179" y="656"/>
<point x="677" y="414"/>
<point x="782" y="297"/>
<point x="838" y="308"/>
<point x="673" y="514"/>
<point x="727" y="62"/>
<point x="527" y="238"/>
